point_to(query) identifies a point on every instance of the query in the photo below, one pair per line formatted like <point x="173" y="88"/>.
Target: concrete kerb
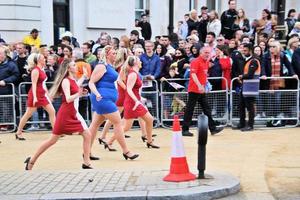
<point x="221" y="185"/>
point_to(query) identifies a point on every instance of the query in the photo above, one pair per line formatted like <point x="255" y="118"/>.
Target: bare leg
<point x="44" y="146"/>
<point x="149" y="125"/>
<point x="97" y="120"/>
<point x="24" y="119"/>
<point x="51" y="111"/>
<point x="108" y="125"/>
<point x="143" y="127"/>
<point x="113" y="138"/>
<point x="115" y="118"/>
<point x="86" y="146"/>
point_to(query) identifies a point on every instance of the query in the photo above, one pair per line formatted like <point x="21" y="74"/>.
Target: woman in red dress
<point x="226" y="63"/>
<point x="38" y="93"/>
<point x="133" y="107"/>
<point x="69" y="119"/>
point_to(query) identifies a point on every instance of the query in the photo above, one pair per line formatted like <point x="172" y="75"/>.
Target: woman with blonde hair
<point x="241" y="22"/>
<point x="104" y="96"/>
<point x="38" y="93"/>
<point x="69" y="119"/>
<point x="293" y="44"/>
<point x="214" y="25"/>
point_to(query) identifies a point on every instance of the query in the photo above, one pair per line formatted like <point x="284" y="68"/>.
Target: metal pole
<point x="171" y="16"/>
<point x="202" y="141"/>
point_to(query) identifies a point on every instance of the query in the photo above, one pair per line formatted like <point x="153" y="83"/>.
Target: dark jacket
<point x="246" y="23"/>
<point x="267" y="69"/>
<point x="296" y="62"/>
<point x="146" y="30"/>
<point x="290" y="22"/>
<point x="9" y="73"/>
<point x="192" y="25"/>
<point x="227" y="20"/>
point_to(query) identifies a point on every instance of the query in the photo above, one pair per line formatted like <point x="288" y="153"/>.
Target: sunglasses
<point x="272" y="46"/>
<point x="220" y="40"/>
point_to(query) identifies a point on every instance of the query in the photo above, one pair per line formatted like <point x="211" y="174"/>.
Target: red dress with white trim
<point x="68" y="119"/>
<point x="41" y="89"/>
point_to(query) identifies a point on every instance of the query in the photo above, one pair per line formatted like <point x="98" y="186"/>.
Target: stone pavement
<point x="95" y="184"/>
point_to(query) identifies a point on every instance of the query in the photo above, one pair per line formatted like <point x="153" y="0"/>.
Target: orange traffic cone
<point x="179" y="169"/>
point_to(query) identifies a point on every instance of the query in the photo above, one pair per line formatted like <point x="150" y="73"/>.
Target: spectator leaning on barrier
<point x="196" y="93"/>
<point x="250" y="82"/>
<point x="150" y="62"/>
<point x="9" y="73"/>
<point x="33" y="39"/>
<point x="227" y="19"/>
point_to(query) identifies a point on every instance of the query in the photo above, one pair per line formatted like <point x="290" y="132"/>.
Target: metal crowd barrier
<point x="274" y="108"/>
<point x="8" y="110"/>
<point x="41" y="118"/>
<point x="175" y="102"/>
<point x="152" y="101"/>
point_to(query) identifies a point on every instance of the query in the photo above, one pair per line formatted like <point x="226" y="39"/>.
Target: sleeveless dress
<point x="129" y="102"/>
<point x="107" y="89"/>
<point x="41" y="89"/>
<point x="68" y="119"/>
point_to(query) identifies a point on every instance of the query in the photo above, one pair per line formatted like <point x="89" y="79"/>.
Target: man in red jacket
<point x="196" y="92"/>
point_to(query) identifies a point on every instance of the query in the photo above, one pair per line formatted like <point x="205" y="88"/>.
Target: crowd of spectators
<point x="169" y="56"/>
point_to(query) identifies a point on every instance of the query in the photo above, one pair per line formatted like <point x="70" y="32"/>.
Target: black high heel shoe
<point x="27" y="162"/>
<point x="84" y="166"/>
<point x="130" y="157"/>
<point x="127" y="136"/>
<point x="144" y="138"/>
<point x="106" y="146"/>
<point x="92" y="157"/>
<point x="150" y="144"/>
<point x="101" y="141"/>
<point x="19" y="138"/>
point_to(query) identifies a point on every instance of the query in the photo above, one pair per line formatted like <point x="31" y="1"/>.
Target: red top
<point x="226" y="69"/>
<point x="199" y="66"/>
<point x="40" y="90"/>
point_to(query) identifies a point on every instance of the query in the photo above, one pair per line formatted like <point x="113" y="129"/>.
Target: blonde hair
<point x="238" y="19"/>
<point x="291" y="41"/>
<point x="61" y="74"/>
<point x="278" y="46"/>
<point x="105" y="52"/>
<point x="297" y="25"/>
<point x="32" y="61"/>
<point x="130" y="62"/>
<point x="121" y="57"/>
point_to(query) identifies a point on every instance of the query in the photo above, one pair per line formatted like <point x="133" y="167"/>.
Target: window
<point x="140" y="8"/>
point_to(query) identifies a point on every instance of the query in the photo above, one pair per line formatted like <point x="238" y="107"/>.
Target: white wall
<point x="159" y="17"/>
<point x="47" y="32"/>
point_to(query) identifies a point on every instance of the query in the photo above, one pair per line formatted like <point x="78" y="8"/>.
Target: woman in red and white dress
<point x="133" y="106"/>
<point x="38" y="93"/>
<point x="69" y="119"/>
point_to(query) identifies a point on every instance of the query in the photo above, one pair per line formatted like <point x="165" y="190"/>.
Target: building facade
<point x="87" y="18"/>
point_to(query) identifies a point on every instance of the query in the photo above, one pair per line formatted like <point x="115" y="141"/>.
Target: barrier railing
<point x="151" y="95"/>
<point x="8" y="110"/>
<point x="41" y="118"/>
<point x="174" y="102"/>
<point x="274" y="108"/>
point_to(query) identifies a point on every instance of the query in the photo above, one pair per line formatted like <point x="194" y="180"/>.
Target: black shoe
<point x="187" y="133"/>
<point x="84" y="166"/>
<point x="19" y="138"/>
<point x="101" y="141"/>
<point x="92" y="157"/>
<point x="27" y="162"/>
<point x="144" y="138"/>
<point x="127" y="136"/>
<point x="238" y="127"/>
<point x="152" y="145"/>
<point x="216" y="130"/>
<point x="246" y="129"/>
<point x="130" y="157"/>
<point x="106" y="146"/>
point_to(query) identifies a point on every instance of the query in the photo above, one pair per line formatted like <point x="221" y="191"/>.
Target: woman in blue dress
<point x="104" y="96"/>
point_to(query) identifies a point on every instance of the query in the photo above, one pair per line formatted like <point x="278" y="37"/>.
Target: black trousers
<point x="247" y="103"/>
<point x="193" y="98"/>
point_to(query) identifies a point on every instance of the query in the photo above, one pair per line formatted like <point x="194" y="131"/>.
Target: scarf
<point x="275" y="65"/>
